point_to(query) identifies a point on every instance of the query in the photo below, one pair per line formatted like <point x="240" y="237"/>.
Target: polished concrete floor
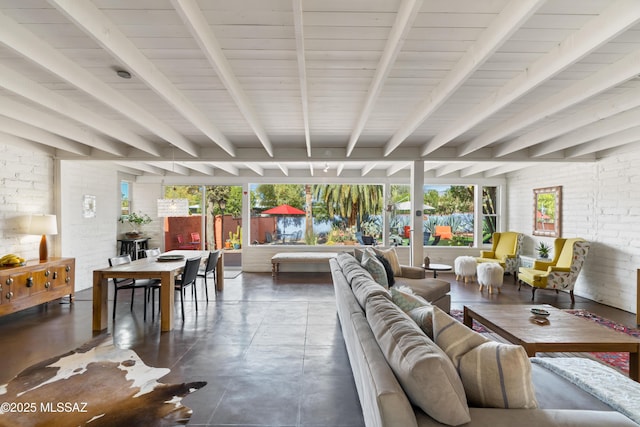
<point x="271" y="350"/>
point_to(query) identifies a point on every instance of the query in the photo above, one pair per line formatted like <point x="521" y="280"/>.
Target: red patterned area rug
<point x="98" y="385"/>
<point x="617" y="360"/>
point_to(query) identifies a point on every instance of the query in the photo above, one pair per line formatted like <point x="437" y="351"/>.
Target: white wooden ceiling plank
<point x="593" y="34"/>
<point x="607" y="108"/>
<point x="600" y="129"/>
<point x="478" y="168"/>
<point x="172" y="167"/>
<point x="198" y="167"/>
<point x="509" y="167"/>
<point x="86" y="16"/>
<point x="405" y="17"/>
<point x="33" y="133"/>
<point x="29" y="89"/>
<point x="368" y="168"/>
<point x="258" y="169"/>
<point x="59" y="126"/>
<point x="284" y="168"/>
<point x="618" y="139"/>
<point x="499" y="31"/>
<point x="625" y="69"/>
<point x="30" y="46"/>
<point x="397" y="167"/>
<point x="298" y="19"/>
<point x="199" y="28"/>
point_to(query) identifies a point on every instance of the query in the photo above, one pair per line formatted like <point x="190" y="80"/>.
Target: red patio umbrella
<point x="284" y="210"/>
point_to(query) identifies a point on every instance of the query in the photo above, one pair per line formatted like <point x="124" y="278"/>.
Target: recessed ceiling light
<point x="124" y="74"/>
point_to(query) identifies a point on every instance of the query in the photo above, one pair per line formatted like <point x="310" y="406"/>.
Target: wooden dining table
<point x="148" y="268"/>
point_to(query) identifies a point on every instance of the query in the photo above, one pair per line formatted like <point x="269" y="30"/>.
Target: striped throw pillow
<point x="494" y="375"/>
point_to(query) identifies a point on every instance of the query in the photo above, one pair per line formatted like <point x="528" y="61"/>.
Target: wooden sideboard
<point x="35" y="283"/>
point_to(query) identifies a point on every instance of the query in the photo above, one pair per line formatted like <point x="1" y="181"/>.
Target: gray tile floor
<point x="271" y="352"/>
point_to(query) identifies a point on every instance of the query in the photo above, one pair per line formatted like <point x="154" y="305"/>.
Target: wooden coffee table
<point x="559" y="332"/>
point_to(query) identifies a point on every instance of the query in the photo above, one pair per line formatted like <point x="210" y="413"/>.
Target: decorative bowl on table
<point x="539" y="312"/>
<point x="170" y="258"/>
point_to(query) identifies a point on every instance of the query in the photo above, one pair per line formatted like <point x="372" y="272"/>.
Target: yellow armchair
<point x="505" y="251"/>
<point x="561" y="272"/>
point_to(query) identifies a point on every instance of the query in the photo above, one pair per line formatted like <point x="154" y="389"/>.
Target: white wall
<point x="26" y="187"/>
<point x="601" y="203"/>
<point x="91" y="241"/>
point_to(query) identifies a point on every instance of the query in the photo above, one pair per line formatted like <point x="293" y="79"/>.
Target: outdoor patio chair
<point x="444" y="231"/>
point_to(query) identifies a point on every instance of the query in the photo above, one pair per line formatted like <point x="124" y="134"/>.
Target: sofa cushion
<point x="424" y="370"/>
<point x="365" y="287"/>
<point x="350" y="266"/>
<point x="387" y="268"/>
<point x="428" y="288"/>
<point x="494" y="374"/>
<point x="391" y="255"/>
<point x="375" y="268"/>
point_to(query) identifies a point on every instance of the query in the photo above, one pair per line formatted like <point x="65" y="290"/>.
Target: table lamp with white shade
<point x="43" y="225"/>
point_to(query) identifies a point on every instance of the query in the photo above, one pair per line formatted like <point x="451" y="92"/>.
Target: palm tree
<point x="351" y="202"/>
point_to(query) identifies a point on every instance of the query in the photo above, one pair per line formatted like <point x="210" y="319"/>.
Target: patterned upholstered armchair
<point x="505" y="251"/>
<point x="560" y="273"/>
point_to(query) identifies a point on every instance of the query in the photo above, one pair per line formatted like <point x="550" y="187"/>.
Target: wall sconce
<point x="43" y="225"/>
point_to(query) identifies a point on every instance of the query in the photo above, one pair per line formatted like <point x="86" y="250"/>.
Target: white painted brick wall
<point x="601" y="203"/>
<point x="26" y="187"/>
<point x="91" y="241"/>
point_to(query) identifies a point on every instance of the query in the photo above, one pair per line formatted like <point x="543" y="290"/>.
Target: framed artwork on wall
<point x="88" y="206"/>
<point x="547" y="211"/>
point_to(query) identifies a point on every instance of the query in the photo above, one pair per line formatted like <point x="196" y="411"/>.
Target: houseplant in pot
<point x="543" y="250"/>
<point x="135" y="221"/>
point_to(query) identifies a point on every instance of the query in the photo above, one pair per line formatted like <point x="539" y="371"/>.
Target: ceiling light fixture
<point x="326" y="168"/>
<point x="124" y="74"/>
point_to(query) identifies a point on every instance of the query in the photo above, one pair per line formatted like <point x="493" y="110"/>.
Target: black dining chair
<point x="209" y="269"/>
<point x="188" y="278"/>
<point x="132" y="284"/>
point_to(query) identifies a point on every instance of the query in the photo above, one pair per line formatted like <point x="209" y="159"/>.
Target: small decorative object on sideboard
<point x="136" y="221"/>
<point x="543" y="250"/>
<point x="427" y="261"/>
<point x="11" y="260"/>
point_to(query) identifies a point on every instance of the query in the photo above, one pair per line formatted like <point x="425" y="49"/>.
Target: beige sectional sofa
<point x="405" y="379"/>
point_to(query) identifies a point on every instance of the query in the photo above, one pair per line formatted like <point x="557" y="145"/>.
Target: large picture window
<point x="449" y="214"/>
<point x="320" y="214"/>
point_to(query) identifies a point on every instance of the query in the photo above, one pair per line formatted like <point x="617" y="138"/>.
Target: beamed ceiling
<point x="278" y="87"/>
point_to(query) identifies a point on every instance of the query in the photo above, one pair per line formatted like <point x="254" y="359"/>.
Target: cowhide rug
<point x="97" y="385"/>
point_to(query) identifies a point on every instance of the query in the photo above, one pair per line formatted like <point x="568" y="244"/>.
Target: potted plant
<point x="543" y="250"/>
<point x="135" y="221"/>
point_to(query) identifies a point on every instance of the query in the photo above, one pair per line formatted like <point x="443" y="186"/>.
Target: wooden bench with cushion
<point x="299" y="257"/>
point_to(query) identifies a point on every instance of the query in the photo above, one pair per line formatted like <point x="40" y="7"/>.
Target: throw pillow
<point x="423" y="370"/>
<point x="407" y="301"/>
<point x="387" y="268"/>
<point x="375" y="268"/>
<point x="391" y="255"/>
<point x="494" y="375"/>
<point x="423" y="316"/>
